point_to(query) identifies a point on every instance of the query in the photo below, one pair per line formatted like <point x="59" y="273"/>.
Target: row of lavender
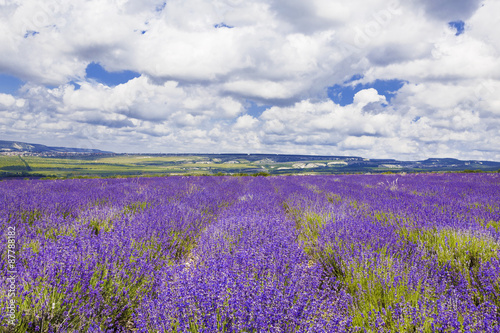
<point x="276" y="254"/>
<point x="89" y="250"/>
<point x="416" y="252"/>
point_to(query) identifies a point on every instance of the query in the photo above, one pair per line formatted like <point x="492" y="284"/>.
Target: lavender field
<point x="350" y="253"/>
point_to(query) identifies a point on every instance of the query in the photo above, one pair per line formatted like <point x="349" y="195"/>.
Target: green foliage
<point x="486" y="207"/>
<point x="153" y="248"/>
<point x="471" y="171"/>
<point x="459" y="248"/>
<point x="494" y="224"/>
<point x="240" y="174"/>
<point x="34" y="245"/>
<point x="43" y="307"/>
<point x="30" y="216"/>
<point x="181" y="244"/>
<point x="97" y="226"/>
<point x="357" y="205"/>
<point x="135" y="207"/>
<point x="120" y="292"/>
<point x="383" y="217"/>
<point x="460" y="251"/>
<point x="54" y="233"/>
<point x="261" y="173"/>
<point x="378" y="284"/>
<point x="333" y="198"/>
<point x="309" y="224"/>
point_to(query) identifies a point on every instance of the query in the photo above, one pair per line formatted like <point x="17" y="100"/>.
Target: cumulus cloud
<point x="451" y="9"/>
<point x="366" y="96"/>
<point x="245" y="122"/>
<point x="7" y="100"/>
<point x="203" y="64"/>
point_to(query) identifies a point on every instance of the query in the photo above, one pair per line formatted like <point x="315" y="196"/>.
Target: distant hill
<point x="20" y="159"/>
<point x="20" y="147"/>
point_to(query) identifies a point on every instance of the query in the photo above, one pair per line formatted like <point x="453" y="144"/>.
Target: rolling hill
<point x="20" y="159"/>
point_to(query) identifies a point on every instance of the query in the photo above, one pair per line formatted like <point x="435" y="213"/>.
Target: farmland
<point x="62" y="165"/>
<point x="337" y="253"/>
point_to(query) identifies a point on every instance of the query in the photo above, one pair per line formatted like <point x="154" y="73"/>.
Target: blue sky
<point x="407" y="80"/>
<point x="10" y="84"/>
<point x="343" y="94"/>
<point x="255" y="109"/>
<point x="459" y="26"/>
<point x="98" y="73"/>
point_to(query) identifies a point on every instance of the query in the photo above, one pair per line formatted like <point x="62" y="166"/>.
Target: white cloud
<point x="7" y="100"/>
<point x="353" y="142"/>
<point x="263" y="89"/>
<point x="245" y="122"/>
<point x="231" y="107"/>
<point x="366" y="96"/>
<point x="448" y="10"/>
<point x="196" y="79"/>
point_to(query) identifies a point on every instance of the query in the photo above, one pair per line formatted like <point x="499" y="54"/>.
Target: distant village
<point x="6" y="152"/>
<point x="61" y="154"/>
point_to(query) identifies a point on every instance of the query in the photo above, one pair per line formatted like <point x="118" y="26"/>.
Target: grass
<point x="54" y="233"/>
<point x="461" y="249"/>
<point x="142" y="165"/>
<point x="333" y="198"/>
<point x="42" y="307"/>
<point x="461" y="253"/>
<point x="45" y="304"/>
<point x="49" y="305"/>
<point x="181" y="244"/>
<point x="145" y="159"/>
<point x="152" y="247"/>
<point x="30" y="216"/>
<point x="493" y="224"/>
<point x="101" y="225"/>
<point x="114" y="166"/>
<point x="135" y="207"/>
<point x="309" y="224"/>
<point x="379" y="283"/>
<point x="34" y="245"/>
<point x="12" y="163"/>
<point x="222" y="166"/>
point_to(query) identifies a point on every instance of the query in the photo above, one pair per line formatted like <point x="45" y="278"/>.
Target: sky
<point x="408" y="80"/>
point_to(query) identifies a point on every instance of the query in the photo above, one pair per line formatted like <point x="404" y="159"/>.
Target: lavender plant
<point x="352" y="253"/>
